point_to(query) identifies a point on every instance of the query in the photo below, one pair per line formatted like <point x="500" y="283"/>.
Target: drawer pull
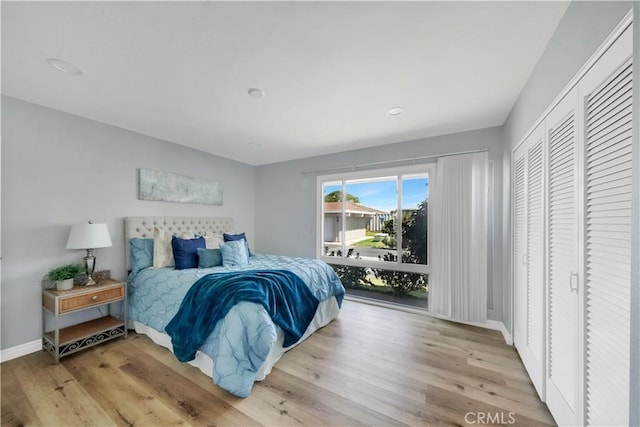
<point x="95" y="297"/>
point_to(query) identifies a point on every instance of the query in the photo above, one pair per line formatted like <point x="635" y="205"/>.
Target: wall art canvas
<point x="169" y="187"/>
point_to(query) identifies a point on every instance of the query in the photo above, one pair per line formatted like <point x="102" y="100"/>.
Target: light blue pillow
<point x="240" y="236"/>
<point x="234" y="254"/>
<point x="141" y="254"/>
<point x="208" y="258"/>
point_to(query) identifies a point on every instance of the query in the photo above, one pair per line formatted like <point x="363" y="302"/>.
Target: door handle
<point x="573" y="281"/>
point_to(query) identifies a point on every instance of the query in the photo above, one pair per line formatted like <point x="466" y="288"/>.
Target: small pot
<point x="64" y="285"/>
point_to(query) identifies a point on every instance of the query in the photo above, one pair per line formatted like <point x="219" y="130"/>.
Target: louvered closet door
<point x="529" y="307"/>
<point x="563" y="345"/>
<point x="520" y="247"/>
<point x="607" y="96"/>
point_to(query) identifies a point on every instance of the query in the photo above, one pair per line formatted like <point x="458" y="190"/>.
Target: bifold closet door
<point x="529" y="309"/>
<point x="606" y="94"/>
<point x="563" y="332"/>
<point x="519" y="247"/>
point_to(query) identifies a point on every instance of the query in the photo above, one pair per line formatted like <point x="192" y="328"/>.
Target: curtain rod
<point x="355" y="166"/>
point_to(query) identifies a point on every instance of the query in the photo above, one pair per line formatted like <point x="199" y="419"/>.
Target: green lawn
<point x="369" y="243"/>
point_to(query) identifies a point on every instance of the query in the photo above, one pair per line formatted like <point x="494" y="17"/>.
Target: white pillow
<point x="162" y="250"/>
<point x="212" y="240"/>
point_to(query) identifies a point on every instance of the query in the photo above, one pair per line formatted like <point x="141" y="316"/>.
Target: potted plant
<point x="64" y="275"/>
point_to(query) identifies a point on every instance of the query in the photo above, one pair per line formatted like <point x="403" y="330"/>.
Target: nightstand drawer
<point x="100" y="296"/>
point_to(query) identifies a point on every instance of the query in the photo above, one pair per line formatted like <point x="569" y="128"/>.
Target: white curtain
<point x="459" y="207"/>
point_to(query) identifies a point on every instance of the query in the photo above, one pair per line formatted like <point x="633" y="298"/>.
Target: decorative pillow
<point x="141" y="253"/>
<point x="162" y="250"/>
<point x="185" y="252"/>
<point x="235" y="237"/>
<point x="234" y="253"/>
<point x="208" y="258"/>
<point x="213" y="240"/>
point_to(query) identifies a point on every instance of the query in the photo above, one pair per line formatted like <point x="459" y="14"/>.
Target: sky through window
<point x="382" y="195"/>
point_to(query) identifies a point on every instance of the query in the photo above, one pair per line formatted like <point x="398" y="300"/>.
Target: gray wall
<point x="59" y="169"/>
<point x="583" y="28"/>
<point x="581" y="31"/>
<point x="282" y="188"/>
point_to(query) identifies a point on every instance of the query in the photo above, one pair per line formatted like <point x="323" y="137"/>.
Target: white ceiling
<point x="180" y="71"/>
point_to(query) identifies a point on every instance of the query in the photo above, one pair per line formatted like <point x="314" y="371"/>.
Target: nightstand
<point x="65" y="341"/>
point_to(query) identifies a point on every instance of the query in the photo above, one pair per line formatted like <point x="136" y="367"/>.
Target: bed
<point x="246" y="343"/>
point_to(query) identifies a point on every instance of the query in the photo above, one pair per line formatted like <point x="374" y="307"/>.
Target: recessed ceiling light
<point x="256" y="93"/>
<point x="64" y="66"/>
<point x="255" y="144"/>
<point x="395" y="111"/>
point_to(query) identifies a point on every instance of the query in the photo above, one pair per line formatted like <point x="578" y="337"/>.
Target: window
<point x="373" y="228"/>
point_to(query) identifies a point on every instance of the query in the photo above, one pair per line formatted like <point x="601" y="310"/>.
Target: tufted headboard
<point x="142" y="226"/>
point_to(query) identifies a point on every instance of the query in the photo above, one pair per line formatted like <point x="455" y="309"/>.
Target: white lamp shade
<point x="89" y="236"/>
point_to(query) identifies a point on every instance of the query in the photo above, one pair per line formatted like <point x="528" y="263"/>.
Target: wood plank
<point x="390" y="353"/>
<point x="434" y="353"/>
<point x="363" y="393"/>
<point x="184" y="396"/>
<point x="123" y="399"/>
<point x="57" y="396"/>
<point x="322" y="403"/>
<point x="263" y="404"/>
<point x="16" y="408"/>
<point x="465" y="408"/>
<point x="438" y="330"/>
<point x="371" y="366"/>
<point x="411" y="380"/>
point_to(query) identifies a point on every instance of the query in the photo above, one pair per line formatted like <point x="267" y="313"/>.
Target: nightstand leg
<point x="56" y="337"/>
<point x="124" y="313"/>
<point x="44" y="325"/>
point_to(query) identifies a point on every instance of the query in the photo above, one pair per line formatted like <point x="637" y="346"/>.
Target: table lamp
<point x="89" y="236"/>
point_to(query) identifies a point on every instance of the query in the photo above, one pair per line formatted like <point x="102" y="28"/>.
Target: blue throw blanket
<point x="285" y="297"/>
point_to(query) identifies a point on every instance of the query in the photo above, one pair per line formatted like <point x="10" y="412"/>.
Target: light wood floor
<point x="372" y="366"/>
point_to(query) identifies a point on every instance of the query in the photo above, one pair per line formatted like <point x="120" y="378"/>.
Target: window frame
<point x="398" y="173"/>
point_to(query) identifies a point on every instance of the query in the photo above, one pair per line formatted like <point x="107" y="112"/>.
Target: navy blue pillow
<point x="239" y="236"/>
<point x="208" y="258"/>
<point x="185" y="251"/>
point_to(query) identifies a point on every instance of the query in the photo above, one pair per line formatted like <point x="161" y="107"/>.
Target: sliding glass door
<point x="373" y="230"/>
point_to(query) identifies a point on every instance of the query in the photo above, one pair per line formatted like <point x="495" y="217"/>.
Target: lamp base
<point x="89" y="266"/>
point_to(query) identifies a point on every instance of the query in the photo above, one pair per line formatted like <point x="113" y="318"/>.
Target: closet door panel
<point x="529" y="295"/>
<point x="563" y="354"/>
<point x="535" y="250"/>
<point x="519" y="247"/>
<point x="606" y="91"/>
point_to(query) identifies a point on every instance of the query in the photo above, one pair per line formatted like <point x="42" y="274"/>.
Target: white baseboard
<point x="20" y="350"/>
<point x="499" y="326"/>
<point x="490" y="324"/>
